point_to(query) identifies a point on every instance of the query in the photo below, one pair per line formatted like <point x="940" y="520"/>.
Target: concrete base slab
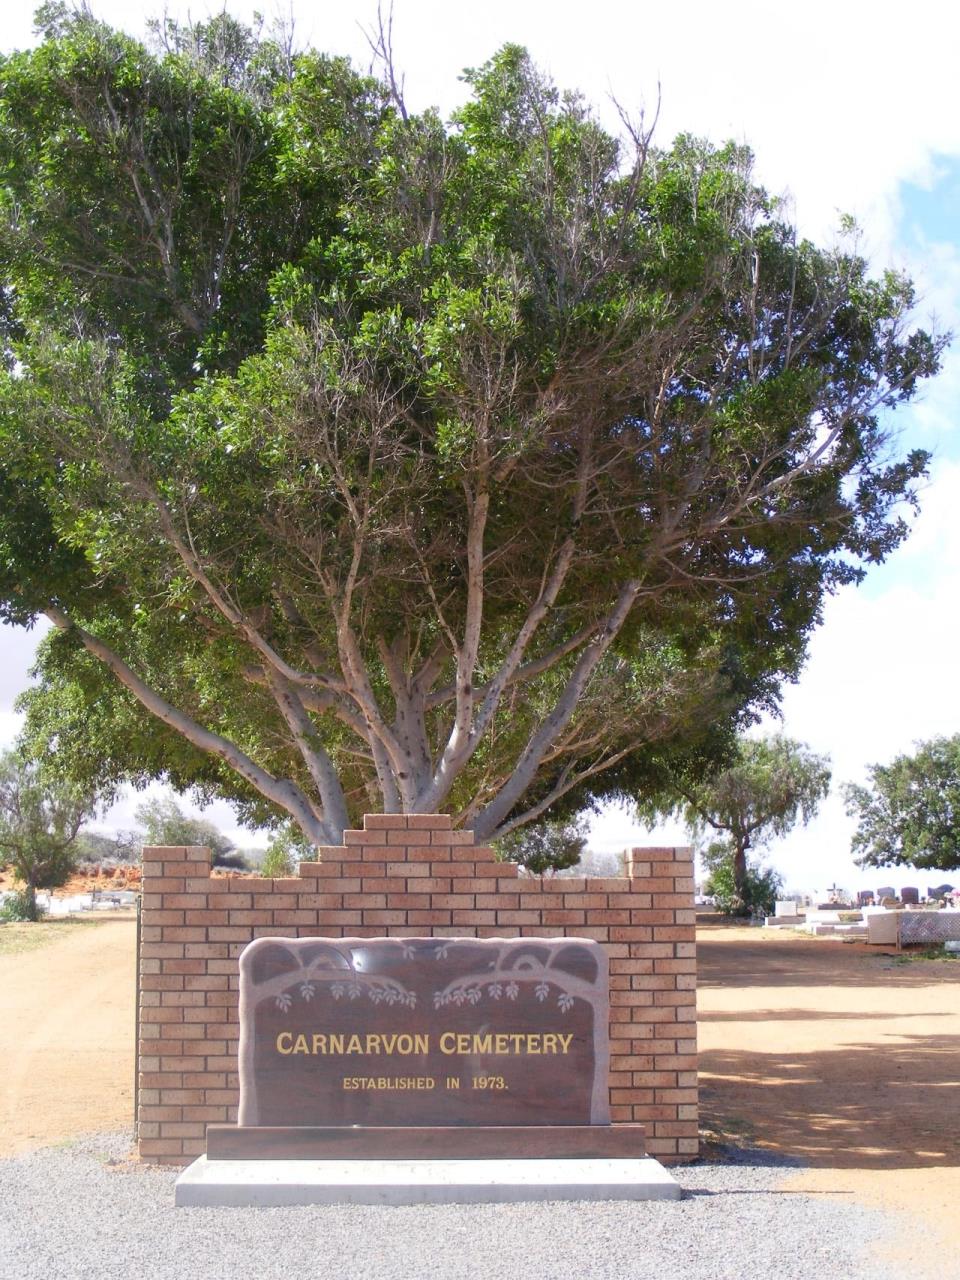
<point x="273" y="1183"/>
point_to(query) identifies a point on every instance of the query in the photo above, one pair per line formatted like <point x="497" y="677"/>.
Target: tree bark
<point x="740" y="871"/>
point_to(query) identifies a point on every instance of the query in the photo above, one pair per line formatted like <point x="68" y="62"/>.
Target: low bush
<point x="20" y="905"/>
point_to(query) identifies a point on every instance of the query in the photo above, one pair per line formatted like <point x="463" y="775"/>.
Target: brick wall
<point x="409" y="875"/>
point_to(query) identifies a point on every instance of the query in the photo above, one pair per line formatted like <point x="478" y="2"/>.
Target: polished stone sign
<point x="423" y="1032"/>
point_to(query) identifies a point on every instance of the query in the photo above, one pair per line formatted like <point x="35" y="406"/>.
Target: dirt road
<point x="838" y="1055"/>
<point x="66" y="1034"/>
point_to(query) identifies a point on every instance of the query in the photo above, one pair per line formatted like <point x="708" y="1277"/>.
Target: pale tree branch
<point x="285" y="794"/>
<point x="318" y="762"/>
<point x="541" y="739"/>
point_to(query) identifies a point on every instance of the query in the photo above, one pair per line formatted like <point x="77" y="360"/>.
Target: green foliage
<point x="20" y="905"/>
<point x="768" y="786"/>
<point x="121" y="846"/>
<point x="277" y="862"/>
<point x="756" y="896"/>
<point x="286" y="850"/>
<point x="328" y="429"/>
<point x="910" y="813"/>
<point x="165" y="823"/>
<point x="40" y="819"/>
<point x="551" y="845"/>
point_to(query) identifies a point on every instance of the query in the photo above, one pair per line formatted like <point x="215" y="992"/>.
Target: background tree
<point x="769" y="786"/>
<point x="164" y="822"/>
<point x="910" y="812"/>
<point x="548" y="845"/>
<point x="118" y="846"/>
<point x="362" y="461"/>
<point x="40" y="821"/>
<point x="758" y="893"/>
<point x="288" y="847"/>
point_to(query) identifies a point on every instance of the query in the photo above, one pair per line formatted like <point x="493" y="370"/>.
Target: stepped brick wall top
<point x="408" y="875"/>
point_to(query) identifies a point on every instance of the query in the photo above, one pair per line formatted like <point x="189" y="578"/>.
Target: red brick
<point x="295" y="919"/>
<point x="166" y="853"/>
<point x="499" y="901"/>
<point x="160" y="1147"/>
<point x="464" y="871"/>
<point x="364" y="839"/>
<point x="409" y="870"/>
<point x="429" y="918"/>
<point x="384" y="821"/>
<point x="585" y="901"/>
<point x="438" y="822"/>
<point x="380" y="917"/>
<point x="453" y="901"/>
<point x="161" y="982"/>
<point x="504" y="871"/>
<point x="518" y="917"/>
<point x="474" y="917"/>
<point x="408" y="901"/>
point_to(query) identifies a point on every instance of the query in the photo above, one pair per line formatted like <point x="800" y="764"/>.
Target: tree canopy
<point x="909" y="815"/>
<point x="363" y="460"/>
<point x="164" y="822"/>
<point x="770" y="785"/>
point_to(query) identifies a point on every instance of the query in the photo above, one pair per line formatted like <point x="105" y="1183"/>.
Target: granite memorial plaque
<point x="423" y="1032"/>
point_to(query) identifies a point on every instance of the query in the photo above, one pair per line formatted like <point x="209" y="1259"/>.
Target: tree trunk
<point x="30" y="892"/>
<point x="740" y="872"/>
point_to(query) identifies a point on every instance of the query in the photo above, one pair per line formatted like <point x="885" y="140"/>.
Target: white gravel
<point x="79" y="1211"/>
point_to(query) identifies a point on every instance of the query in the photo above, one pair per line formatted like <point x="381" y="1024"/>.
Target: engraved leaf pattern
<point x="468" y="991"/>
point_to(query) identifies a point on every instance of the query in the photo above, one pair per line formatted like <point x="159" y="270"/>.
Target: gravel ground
<point x="81" y="1211"/>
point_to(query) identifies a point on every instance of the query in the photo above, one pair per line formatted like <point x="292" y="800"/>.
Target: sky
<point x="849" y="110"/>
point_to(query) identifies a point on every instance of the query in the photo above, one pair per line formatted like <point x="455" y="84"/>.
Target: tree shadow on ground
<point x="862" y="1106"/>
<point x="809" y="1015"/>
<point x="814" y="963"/>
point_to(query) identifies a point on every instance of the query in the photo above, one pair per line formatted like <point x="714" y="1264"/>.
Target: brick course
<point x="413" y="875"/>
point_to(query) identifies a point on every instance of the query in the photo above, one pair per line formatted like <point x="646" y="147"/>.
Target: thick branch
<point x="495" y="812"/>
<point x="285" y="794"/>
<point x="318" y="762"/>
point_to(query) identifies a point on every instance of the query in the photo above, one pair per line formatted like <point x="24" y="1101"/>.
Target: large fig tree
<point x="364" y="460"/>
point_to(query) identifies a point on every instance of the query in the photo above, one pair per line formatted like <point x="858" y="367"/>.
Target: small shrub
<point x="20" y="905"/>
<point x="551" y="845"/>
<point x="277" y="862"/>
<point x="760" y="894"/>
